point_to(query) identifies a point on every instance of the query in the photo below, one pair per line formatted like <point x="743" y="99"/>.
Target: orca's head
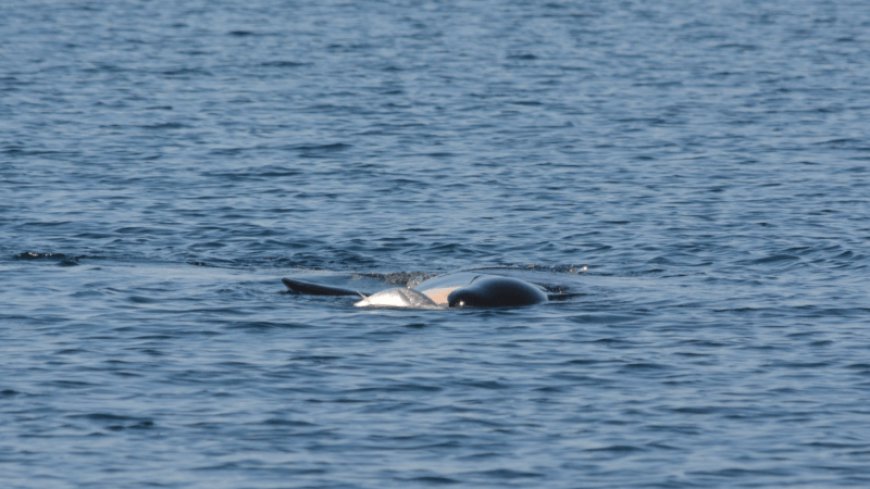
<point x="494" y="291"/>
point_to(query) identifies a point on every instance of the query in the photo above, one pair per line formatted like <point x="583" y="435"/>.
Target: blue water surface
<point x="163" y="164"/>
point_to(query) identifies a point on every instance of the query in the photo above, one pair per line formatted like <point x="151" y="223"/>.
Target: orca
<point x="455" y="290"/>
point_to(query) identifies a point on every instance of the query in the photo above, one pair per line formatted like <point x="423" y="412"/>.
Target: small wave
<point x="283" y="64"/>
<point x="522" y="57"/>
<point x="313" y="148"/>
<point x="288" y="422"/>
<point x="432" y="480"/>
<point x="620" y="449"/>
<point x="241" y="33"/>
<point x="799" y="365"/>
<point x="62" y="259"/>
<point x="645" y="366"/>
<point x="841" y="142"/>
<point x="734" y="472"/>
<point x="99" y="417"/>
<point x="24" y="152"/>
<point x="165" y="125"/>
<point x="507" y="474"/>
<point x="267" y="325"/>
<point x="261" y="173"/>
<point x="774" y="258"/>
<point x="71" y="384"/>
<point x="186" y="71"/>
<point x="401" y="387"/>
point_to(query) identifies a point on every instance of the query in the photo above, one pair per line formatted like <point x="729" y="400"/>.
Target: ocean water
<point x="163" y="164"/>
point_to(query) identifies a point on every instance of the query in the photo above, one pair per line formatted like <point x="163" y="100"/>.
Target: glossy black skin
<point x="495" y="291"/>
